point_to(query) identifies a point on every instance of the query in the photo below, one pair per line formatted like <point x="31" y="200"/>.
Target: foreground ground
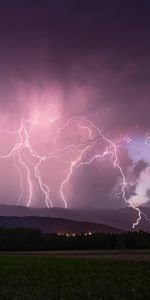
<point x="50" y="278"/>
<point x="133" y="255"/>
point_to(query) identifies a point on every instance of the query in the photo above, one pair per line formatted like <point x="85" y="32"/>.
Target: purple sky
<point x="65" y="58"/>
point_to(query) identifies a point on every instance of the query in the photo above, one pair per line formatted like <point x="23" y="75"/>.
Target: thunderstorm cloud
<point x="88" y="59"/>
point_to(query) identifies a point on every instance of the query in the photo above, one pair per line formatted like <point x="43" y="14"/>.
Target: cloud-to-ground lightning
<point x="111" y="148"/>
<point x="25" y="157"/>
<point x="18" y="156"/>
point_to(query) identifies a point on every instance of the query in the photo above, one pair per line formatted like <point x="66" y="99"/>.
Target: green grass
<point x="44" y="278"/>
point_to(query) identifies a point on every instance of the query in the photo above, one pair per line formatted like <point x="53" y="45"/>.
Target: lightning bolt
<point x="23" y="149"/>
<point x="110" y="149"/>
<point x="17" y="154"/>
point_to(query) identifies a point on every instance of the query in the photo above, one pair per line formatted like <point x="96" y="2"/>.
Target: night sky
<point x="87" y="60"/>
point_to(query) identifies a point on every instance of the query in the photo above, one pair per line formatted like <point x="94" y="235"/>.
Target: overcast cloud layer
<point x="89" y="58"/>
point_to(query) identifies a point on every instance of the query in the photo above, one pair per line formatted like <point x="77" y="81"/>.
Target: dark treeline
<point x="19" y="239"/>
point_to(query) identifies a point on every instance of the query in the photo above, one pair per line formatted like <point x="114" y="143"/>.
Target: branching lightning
<point x="22" y="152"/>
<point x="17" y="154"/>
<point x="110" y="149"/>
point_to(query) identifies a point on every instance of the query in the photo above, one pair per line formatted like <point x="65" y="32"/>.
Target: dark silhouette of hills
<point x="116" y="218"/>
<point x="54" y="225"/>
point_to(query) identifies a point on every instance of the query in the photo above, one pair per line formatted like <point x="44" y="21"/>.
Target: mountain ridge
<point x="55" y="225"/>
<point x="117" y="218"/>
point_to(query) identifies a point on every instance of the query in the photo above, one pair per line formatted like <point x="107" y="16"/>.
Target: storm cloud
<point x="89" y="58"/>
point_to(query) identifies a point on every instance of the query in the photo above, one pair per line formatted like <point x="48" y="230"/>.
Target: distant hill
<point x="53" y="225"/>
<point x="116" y="218"/>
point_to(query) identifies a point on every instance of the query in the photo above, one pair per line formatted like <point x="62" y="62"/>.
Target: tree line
<point x="23" y="239"/>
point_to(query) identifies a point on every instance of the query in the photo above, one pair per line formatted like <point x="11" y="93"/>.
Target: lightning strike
<point x="110" y="149"/>
<point x="23" y="144"/>
<point x="23" y="148"/>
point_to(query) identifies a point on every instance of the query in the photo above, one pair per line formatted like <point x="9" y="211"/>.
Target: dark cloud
<point x="97" y="52"/>
<point x="99" y="47"/>
<point x="90" y="188"/>
<point x="139" y="167"/>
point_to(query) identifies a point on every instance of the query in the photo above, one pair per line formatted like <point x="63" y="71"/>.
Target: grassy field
<point x="48" y="278"/>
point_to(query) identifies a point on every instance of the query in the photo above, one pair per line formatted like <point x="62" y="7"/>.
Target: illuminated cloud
<point x="138" y="151"/>
<point x="78" y="60"/>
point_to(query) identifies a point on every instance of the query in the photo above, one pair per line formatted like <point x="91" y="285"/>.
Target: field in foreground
<point x="48" y="278"/>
